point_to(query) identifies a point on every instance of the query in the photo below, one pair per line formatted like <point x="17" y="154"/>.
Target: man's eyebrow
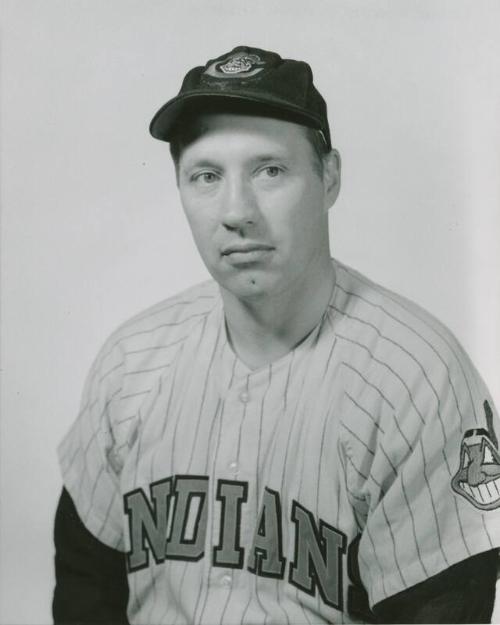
<point x="200" y="162"/>
<point x="266" y="158"/>
<point x="261" y="159"/>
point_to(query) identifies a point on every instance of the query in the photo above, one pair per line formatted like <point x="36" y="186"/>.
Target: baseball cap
<point x="247" y="79"/>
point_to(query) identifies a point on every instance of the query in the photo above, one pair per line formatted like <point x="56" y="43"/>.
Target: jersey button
<point x="226" y="580"/>
<point x="244" y="397"/>
<point x="233" y="467"/>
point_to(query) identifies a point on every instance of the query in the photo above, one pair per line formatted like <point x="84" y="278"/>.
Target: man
<point x="288" y="443"/>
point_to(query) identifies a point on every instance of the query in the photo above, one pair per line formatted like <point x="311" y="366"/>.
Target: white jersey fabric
<point x="238" y="493"/>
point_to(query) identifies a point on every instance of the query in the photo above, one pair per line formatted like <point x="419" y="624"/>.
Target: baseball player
<point x="286" y="443"/>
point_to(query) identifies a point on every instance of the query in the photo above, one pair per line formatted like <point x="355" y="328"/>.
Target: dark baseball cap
<point x="248" y="80"/>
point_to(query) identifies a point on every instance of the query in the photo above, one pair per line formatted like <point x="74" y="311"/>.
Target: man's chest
<point x="243" y="473"/>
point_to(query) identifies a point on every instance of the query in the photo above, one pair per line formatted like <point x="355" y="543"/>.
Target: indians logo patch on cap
<point x="237" y="65"/>
<point x="478" y="476"/>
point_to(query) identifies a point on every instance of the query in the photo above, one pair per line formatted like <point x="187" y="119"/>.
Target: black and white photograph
<point x="250" y="312"/>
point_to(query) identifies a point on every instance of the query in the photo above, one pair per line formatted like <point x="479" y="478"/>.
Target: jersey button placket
<point x="226" y="580"/>
<point x="227" y="463"/>
<point x="244" y="397"/>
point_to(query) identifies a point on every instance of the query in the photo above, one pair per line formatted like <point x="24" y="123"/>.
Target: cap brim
<point x="166" y="118"/>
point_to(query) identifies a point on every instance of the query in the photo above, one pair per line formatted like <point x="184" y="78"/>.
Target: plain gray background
<point x="92" y="229"/>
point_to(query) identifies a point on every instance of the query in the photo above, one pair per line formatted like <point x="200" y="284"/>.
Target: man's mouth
<point x="243" y="248"/>
<point x="239" y="253"/>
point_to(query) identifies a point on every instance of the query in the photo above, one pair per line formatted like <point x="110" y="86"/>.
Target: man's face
<point x="257" y="207"/>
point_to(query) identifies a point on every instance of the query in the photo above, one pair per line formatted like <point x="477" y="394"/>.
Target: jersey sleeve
<point x="432" y="487"/>
<point x="88" y="454"/>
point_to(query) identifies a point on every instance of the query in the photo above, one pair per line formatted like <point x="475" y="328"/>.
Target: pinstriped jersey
<point x="358" y="465"/>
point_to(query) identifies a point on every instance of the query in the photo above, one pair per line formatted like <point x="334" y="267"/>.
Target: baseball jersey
<point x="366" y="454"/>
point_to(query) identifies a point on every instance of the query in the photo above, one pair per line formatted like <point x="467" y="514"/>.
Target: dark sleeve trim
<point x="91" y="578"/>
<point x="463" y="593"/>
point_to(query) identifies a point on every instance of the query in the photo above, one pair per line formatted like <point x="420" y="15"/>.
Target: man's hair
<point x="190" y="128"/>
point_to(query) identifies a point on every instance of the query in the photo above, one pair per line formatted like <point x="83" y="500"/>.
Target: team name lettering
<point x="171" y="524"/>
<point x="228" y="552"/>
<point x="148" y="524"/>
<point x="266" y="556"/>
<point x="317" y="559"/>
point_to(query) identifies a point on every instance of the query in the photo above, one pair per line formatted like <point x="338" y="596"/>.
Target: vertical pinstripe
<point x="429" y="490"/>
<point x="213" y="486"/>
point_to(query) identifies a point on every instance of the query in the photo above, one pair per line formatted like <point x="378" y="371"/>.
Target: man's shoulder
<point x="398" y="355"/>
<point x="393" y="328"/>
<point x="167" y="319"/>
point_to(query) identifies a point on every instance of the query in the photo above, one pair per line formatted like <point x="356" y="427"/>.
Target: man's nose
<point x="240" y="207"/>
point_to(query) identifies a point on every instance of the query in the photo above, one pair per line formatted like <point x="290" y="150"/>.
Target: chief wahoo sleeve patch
<point x="478" y="476"/>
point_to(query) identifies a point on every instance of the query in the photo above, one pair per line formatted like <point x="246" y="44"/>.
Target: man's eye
<point x="272" y="171"/>
<point x="269" y="171"/>
<point x="205" y="177"/>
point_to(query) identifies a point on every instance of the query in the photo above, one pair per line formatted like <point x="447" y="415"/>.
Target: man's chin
<point x="248" y="285"/>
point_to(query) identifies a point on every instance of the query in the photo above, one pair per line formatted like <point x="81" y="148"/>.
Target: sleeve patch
<point x="478" y="475"/>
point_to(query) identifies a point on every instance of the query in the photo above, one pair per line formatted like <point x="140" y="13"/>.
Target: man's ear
<point x="331" y="177"/>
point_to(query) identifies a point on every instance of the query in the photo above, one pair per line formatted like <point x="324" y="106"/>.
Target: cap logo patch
<point x="478" y="476"/>
<point x="238" y="65"/>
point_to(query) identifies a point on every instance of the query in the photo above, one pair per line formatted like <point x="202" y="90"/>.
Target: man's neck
<point x="262" y="331"/>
